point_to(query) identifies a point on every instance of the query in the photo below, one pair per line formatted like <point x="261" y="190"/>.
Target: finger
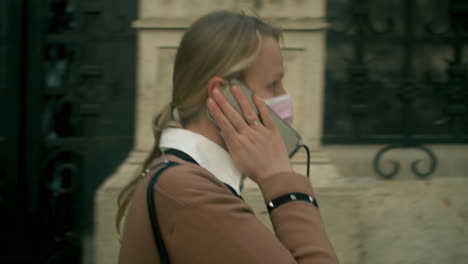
<point x="223" y="123"/>
<point x="231" y="114"/>
<point x="264" y="112"/>
<point x="247" y="110"/>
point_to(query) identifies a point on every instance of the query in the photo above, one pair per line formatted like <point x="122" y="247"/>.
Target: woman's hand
<point x="257" y="149"/>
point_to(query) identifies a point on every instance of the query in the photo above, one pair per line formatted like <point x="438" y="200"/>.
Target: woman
<point x="200" y="214"/>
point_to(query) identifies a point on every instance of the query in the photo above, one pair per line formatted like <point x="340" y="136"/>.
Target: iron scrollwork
<point x="62" y="70"/>
<point x="407" y="92"/>
<point x="81" y="76"/>
<point x="359" y="84"/>
<point x="63" y="189"/>
<point x="396" y="117"/>
<point x="455" y="89"/>
<point x="62" y="162"/>
<point x="396" y="165"/>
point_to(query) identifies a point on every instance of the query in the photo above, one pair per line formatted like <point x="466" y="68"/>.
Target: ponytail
<point x="198" y="59"/>
<point x="164" y="119"/>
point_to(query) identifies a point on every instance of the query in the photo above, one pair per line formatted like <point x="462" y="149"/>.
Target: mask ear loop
<point x="308" y="159"/>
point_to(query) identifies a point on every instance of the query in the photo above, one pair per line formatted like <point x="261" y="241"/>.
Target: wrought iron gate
<point x="396" y="74"/>
<point x="67" y="75"/>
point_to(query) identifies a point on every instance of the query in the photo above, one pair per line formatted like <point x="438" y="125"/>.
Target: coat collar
<point x="205" y="152"/>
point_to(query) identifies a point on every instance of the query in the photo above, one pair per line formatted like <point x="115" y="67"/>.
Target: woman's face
<point x="265" y="76"/>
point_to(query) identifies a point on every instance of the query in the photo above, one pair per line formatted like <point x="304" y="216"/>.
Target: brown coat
<point x="201" y="221"/>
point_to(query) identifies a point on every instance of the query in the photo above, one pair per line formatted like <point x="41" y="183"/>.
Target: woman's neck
<point x="207" y="128"/>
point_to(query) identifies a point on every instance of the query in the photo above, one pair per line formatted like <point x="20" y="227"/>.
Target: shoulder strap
<point x="233" y="191"/>
<point x="181" y="155"/>
<point x="150" y="198"/>
<point x="184" y="156"/>
<point x="152" y="211"/>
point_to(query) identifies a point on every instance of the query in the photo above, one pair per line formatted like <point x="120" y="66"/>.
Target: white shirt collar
<point x="204" y="151"/>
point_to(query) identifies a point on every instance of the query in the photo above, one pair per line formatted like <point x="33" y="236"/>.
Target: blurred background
<point x="381" y="97"/>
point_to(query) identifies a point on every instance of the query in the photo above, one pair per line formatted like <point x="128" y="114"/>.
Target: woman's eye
<point x="274" y="86"/>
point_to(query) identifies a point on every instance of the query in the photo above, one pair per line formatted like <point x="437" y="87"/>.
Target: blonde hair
<point x="221" y="43"/>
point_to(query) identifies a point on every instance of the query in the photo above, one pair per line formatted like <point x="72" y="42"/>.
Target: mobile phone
<point x="290" y="137"/>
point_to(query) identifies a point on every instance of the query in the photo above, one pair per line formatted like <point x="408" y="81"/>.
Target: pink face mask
<point x="282" y="105"/>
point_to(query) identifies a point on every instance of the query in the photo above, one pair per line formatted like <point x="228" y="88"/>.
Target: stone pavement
<point x="407" y="221"/>
<point x="369" y="221"/>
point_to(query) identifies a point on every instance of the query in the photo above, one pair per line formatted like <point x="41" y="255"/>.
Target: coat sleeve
<point x="210" y="225"/>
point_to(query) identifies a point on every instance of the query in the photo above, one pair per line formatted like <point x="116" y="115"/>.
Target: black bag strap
<point x="152" y="210"/>
<point x="186" y="157"/>
<point x="181" y="155"/>
<point x="150" y="198"/>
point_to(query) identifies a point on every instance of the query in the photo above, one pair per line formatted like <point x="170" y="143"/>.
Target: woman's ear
<point x="215" y="82"/>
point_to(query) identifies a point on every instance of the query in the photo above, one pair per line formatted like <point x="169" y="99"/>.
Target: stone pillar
<point x="160" y="27"/>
